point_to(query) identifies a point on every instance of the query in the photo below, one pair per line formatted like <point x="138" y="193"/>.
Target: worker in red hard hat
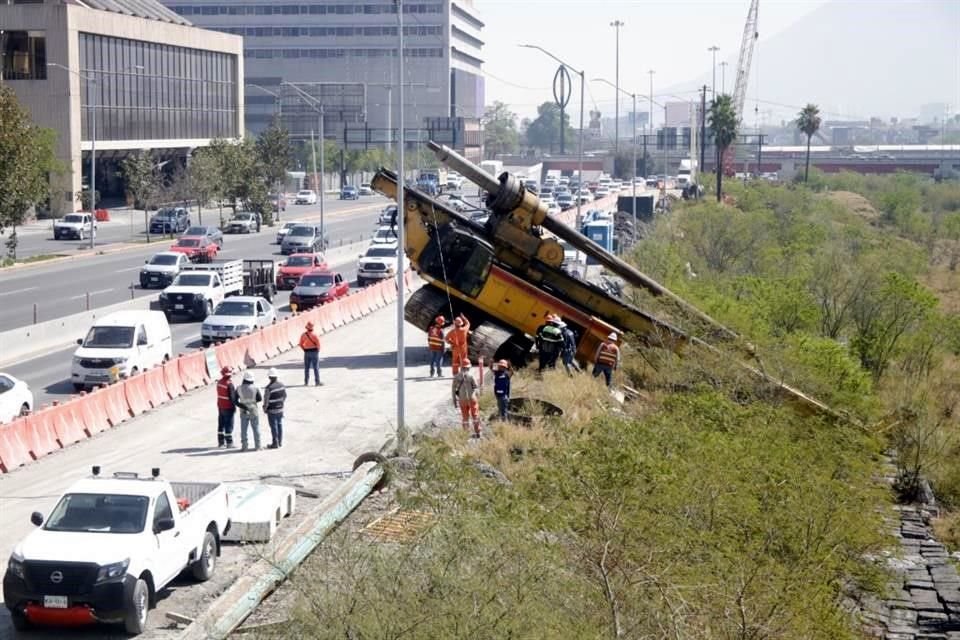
<point x="458" y="339"/>
<point x="466" y="396"/>
<point x="310" y="344"/>
<point x="436" y="345"/>
<point x="226" y="408"/>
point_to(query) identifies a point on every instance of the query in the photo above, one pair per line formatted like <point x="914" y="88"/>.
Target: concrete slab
<point x="257" y="510"/>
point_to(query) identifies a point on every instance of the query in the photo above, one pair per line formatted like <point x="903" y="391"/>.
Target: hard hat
<point x="248" y="376"/>
<point x="612" y="336"/>
<point x="458" y="322"/>
<point x="273" y="373"/>
<point x="502" y="364"/>
<point x="466" y="363"/>
<point x="225" y="371"/>
<point x="440" y="320"/>
<point x="309" y="326"/>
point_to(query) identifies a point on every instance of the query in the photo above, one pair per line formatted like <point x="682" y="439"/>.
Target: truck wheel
<point x="205" y="565"/>
<point x="19" y="620"/>
<point x="209" y="308"/>
<point x="78" y="387"/>
<point x="135" y="613"/>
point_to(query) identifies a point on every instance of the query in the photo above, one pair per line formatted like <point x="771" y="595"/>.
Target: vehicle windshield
<point x="243" y="216"/>
<point x="385" y="233"/>
<point x="109" y="338"/>
<point x="289" y="225"/>
<point x="381" y="252"/>
<point x="234" y="308"/>
<point x="166" y="213"/>
<point x="73" y="218"/>
<point x="99" y="513"/>
<point x="305" y="193"/>
<point x="302" y="231"/>
<point x="191" y="280"/>
<point x="300" y="261"/>
<point x="195" y="231"/>
<point x="164" y="259"/>
<point x="319" y="280"/>
<point x="188" y="242"/>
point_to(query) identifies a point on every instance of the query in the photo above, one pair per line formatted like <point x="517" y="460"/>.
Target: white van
<point x="119" y="345"/>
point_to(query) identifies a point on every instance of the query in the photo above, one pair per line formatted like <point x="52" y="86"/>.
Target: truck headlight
<point x="206" y="327"/>
<point x="113" y="571"/>
<point x="243" y="327"/>
<point x="77" y="359"/>
<point x="15" y="566"/>
<point x="144" y="272"/>
<point x="163" y="297"/>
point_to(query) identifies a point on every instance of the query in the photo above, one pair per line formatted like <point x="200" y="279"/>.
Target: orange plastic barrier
<point x="353" y="307"/>
<point x="294" y="327"/>
<point x="231" y="354"/>
<point x="256" y="347"/>
<point x="92" y="413"/>
<point x="114" y="402"/>
<point x="273" y="340"/>
<point x="14" y="451"/>
<point x="171" y="378"/>
<point x="324" y="320"/>
<point x="390" y="290"/>
<point x="285" y="335"/>
<point x="377" y="296"/>
<point x="193" y="370"/>
<point x="366" y="301"/>
<point x="135" y="389"/>
<point x="40" y="436"/>
<point x="66" y="421"/>
<point x="335" y="309"/>
<point x="155" y="386"/>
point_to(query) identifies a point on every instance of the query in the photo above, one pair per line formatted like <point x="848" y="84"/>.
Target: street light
<point x="633" y="173"/>
<point x="580" y="152"/>
<point x="389" y="87"/>
<point x="713" y="87"/>
<point x="723" y="77"/>
<point x="93" y="142"/>
<point x="318" y="107"/>
<point x="616" y="24"/>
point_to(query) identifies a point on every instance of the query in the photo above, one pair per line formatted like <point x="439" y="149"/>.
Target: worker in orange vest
<point x="436" y="345"/>
<point x="607" y="358"/>
<point x="310" y="344"/>
<point x="458" y="339"/>
<point x="226" y="409"/>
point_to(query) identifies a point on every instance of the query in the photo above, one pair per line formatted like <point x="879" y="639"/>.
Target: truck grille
<point x="181" y="298"/>
<point x="374" y="266"/>
<point x="96" y="363"/>
<point x="220" y="327"/>
<point x="60" y="578"/>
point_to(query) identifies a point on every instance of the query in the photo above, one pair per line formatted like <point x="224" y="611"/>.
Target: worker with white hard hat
<point x="248" y="401"/>
<point x="274" y="397"/>
<point x="607" y="359"/>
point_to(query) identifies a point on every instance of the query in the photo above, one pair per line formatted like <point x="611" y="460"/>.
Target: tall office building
<point x="343" y="55"/>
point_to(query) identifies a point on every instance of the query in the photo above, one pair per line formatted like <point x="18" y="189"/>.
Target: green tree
<point x="723" y="127"/>
<point x="500" y="133"/>
<point x="808" y="122"/>
<point x="144" y="179"/>
<point x="203" y="178"/>
<point x="544" y="132"/>
<point x="274" y="154"/>
<point x="26" y="161"/>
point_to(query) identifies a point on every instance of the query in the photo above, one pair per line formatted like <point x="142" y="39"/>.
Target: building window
<point x="23" y="55"/>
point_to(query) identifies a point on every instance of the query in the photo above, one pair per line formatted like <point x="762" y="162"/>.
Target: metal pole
<point x="723" y="76"/>
<point x="616" y="24"/>
<point x="713" y="87"/>
<point x="313" y="151"/>
<point x="389" y="119"/>
<point x="633" y="173"/>
<point x="580" y="182"/>
<point x="323" y="173"/>
<point x="402" y="433"/>
<point x="93" y="163"/>
<point x="652" y="130"/>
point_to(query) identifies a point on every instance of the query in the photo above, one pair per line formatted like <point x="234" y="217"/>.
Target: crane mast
<point x="750" y="35"/>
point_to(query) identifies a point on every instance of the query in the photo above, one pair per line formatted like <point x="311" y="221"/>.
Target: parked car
<point x="288" y="276"/>
<point x="110" y="545"/>
<point x="118" y="345"/>
<point x="170" y="220"/>
<point x="75" y="225"/>
<point x="378" y="263"/>
<point x="601" y="192"/>
<point x="306" y="196"/>
<point x="366" y="189"/>
<point x="584" y="196"/>
<point x="244" y="222"/>
<point x="235" y="317"/>
<point x="318" y="286"/>
<point x="16" y="399"/>
<point x="196" y="248"/>
<point x="349" y="192"/>
<point x="304" y="238"/>
<point x="285" y="229"/>
<point x="162" y="268"/>
<point x="213" y="233"/>
<point x="454" y="180"/>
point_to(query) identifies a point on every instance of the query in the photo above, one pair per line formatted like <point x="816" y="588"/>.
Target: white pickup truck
<point x="199" y="288"/>
<point x="75" y="225"/>
<point x="110" y="545"/>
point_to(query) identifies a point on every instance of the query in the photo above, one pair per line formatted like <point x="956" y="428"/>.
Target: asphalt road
<point x="63" y="288"/>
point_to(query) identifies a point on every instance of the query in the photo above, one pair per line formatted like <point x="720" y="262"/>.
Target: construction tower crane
<point x="750" y="35"/>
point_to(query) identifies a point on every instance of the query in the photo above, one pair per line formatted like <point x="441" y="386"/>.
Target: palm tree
<point x="808" y="121"/>
<point x="723" y="128"/>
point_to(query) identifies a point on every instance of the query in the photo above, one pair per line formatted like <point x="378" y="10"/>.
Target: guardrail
<point x="56" y="427"/>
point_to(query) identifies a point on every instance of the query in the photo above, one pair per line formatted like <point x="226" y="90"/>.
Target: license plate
<point x="55" y="602"/>
<point x="178" y="306"/>
<point x="221" y="334"/>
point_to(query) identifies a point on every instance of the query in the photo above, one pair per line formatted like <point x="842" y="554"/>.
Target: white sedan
<point x="16" y="399"/>
<point x="236" y="316"/>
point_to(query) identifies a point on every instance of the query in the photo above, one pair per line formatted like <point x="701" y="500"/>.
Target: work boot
<point x="272" y="445"/>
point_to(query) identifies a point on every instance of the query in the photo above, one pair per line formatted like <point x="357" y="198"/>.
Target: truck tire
<point x="135" y="611"/>
<point x="206" y="564"/>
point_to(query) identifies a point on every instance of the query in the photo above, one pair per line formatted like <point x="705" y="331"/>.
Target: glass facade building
<point x="149" y="91"/>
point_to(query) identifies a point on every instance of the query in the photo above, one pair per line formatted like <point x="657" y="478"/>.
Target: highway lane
<point x="48" y="375"/>
<point x="62" y="288"/>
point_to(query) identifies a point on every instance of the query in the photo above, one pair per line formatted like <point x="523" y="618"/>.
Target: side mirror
<point x="147" y="261"/>
<point x="80" y="341"/>
<point x="36" y="518"/>
<point x="163" y="524"/>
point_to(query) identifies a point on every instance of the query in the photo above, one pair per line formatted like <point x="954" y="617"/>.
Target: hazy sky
<point x="669" y="36"/>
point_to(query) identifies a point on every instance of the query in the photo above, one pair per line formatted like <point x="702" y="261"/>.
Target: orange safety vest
<point x="309" y="341"/>
<point x="458" y="338"/>
<point x="609" y="354"/>
<point x="435" y="338"/>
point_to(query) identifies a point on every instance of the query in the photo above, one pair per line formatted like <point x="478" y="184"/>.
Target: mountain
<point x="858" y="59"/>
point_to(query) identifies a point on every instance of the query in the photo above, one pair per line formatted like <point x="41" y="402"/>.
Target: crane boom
<point x="750" y="35"/>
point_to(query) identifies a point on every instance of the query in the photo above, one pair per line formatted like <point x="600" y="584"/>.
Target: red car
<point x="317" y="287"/>
<point x="197" y="248"/>
<point x="296" y="265"/>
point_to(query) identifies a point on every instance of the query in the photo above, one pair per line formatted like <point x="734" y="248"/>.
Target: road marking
<point x="129" y="269"/>
<point x="10" y="293"/>
<point x="92" y="293"/>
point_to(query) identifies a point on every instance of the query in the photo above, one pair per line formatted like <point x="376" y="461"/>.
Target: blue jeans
<point x="253" y="421"/>
<point x="275" y="420"/>
<point x="502" y="402"/>
<point x="568" y="361"/>
<point x="225" y="427"/>
<point x="311" y="360"/>
<point x="436" y="362"/>
<point x="606" y="370"/>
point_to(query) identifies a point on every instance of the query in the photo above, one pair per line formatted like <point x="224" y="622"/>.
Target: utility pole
<point x="713" y="88"/>
<point x="616" y="24"/>
<point x="703" y="130"/>
<point x="723" y="76"/>
<point x="402" y="433"/>
<point x="652" y="130"/>
<point x="389" y="119"/>
<point x="313" y="152"/>
<point x="323" y="168"/>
